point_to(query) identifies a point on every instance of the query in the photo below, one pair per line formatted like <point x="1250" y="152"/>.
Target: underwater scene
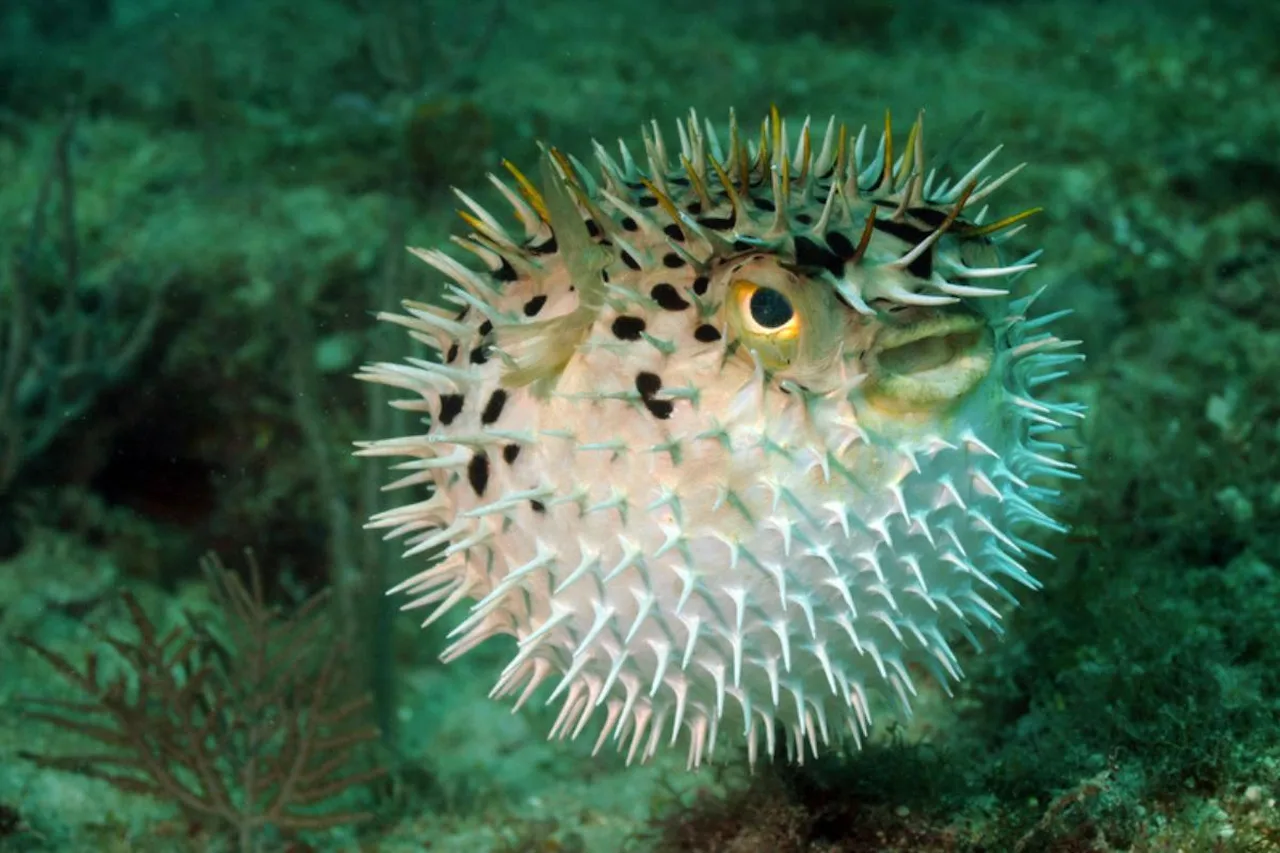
<point x="638" y="427"/>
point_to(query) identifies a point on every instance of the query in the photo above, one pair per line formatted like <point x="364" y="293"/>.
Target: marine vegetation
<point x="240" y="724"/>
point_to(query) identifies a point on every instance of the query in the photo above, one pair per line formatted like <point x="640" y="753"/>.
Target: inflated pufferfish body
<point x="741" y="439"/>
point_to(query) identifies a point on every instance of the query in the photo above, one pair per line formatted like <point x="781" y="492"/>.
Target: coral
<point x="242" y="726"/>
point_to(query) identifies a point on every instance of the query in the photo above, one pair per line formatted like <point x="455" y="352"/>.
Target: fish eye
<point x="766" y="311"/>
<point x="770" y="308"/>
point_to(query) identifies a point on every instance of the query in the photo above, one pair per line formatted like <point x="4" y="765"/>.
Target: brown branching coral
<point x="246" y="735"/>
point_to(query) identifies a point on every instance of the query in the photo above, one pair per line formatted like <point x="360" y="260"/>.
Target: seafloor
<point x="202" y="200"/>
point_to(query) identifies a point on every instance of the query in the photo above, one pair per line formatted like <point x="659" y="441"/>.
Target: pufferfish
<point x="731" y="437"/>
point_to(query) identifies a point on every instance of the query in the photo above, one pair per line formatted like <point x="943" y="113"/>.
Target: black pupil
<point x="770" y="308"/>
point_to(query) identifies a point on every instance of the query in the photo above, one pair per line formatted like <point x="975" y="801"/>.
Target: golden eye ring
<point x="766" y="312"/>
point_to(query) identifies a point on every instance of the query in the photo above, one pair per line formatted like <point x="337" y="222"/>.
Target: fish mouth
<point x="930" y="363"/>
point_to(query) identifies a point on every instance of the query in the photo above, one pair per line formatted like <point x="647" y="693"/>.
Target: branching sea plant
<point x="240" y="722"/>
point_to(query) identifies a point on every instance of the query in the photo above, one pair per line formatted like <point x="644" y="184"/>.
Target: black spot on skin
<point x="547" y="248"/>
<point x="450" y="408"/>
<point x="804" y="219"/>
<point x="534" y="305"/>
<point x="717" y="223"/>
<point x="694" y="207"/>
<point x="763" y="204"/>
<point x="510" y="452"/>
<point x="462" y="315"/>
<point x="700" y="285"/>
<point x="493" y="408"/>
<point x="904" y="231"/>
<point x="660" y="409"/>
<point x="604" y="275"/>
<point x="592" y="228"/>
<point x="627" y="328"/>
<point x="480" y="354"/>
<point x="538" y="506"/>
<point x="478" y="472"/>
<point x="921" y="267"/>
<point x="929" y="216"/>
<point x="649" y="384"/>
<point x="810" y="254"/>
<point x="668" y="298"/>
<point x="629" y="224"/>
<point x="506" y="272"/>
<point x="743" y="245"/>
<point x="707" y="333"/>
<point x="486" y="327"/>
<point x="672" y="261"/>
<point x="630" y="261"/>
<point x="452" y="356"/>
<point x="648" y="201"/>
<point x="840" y="244"/>
<point x="674" y="232"/>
